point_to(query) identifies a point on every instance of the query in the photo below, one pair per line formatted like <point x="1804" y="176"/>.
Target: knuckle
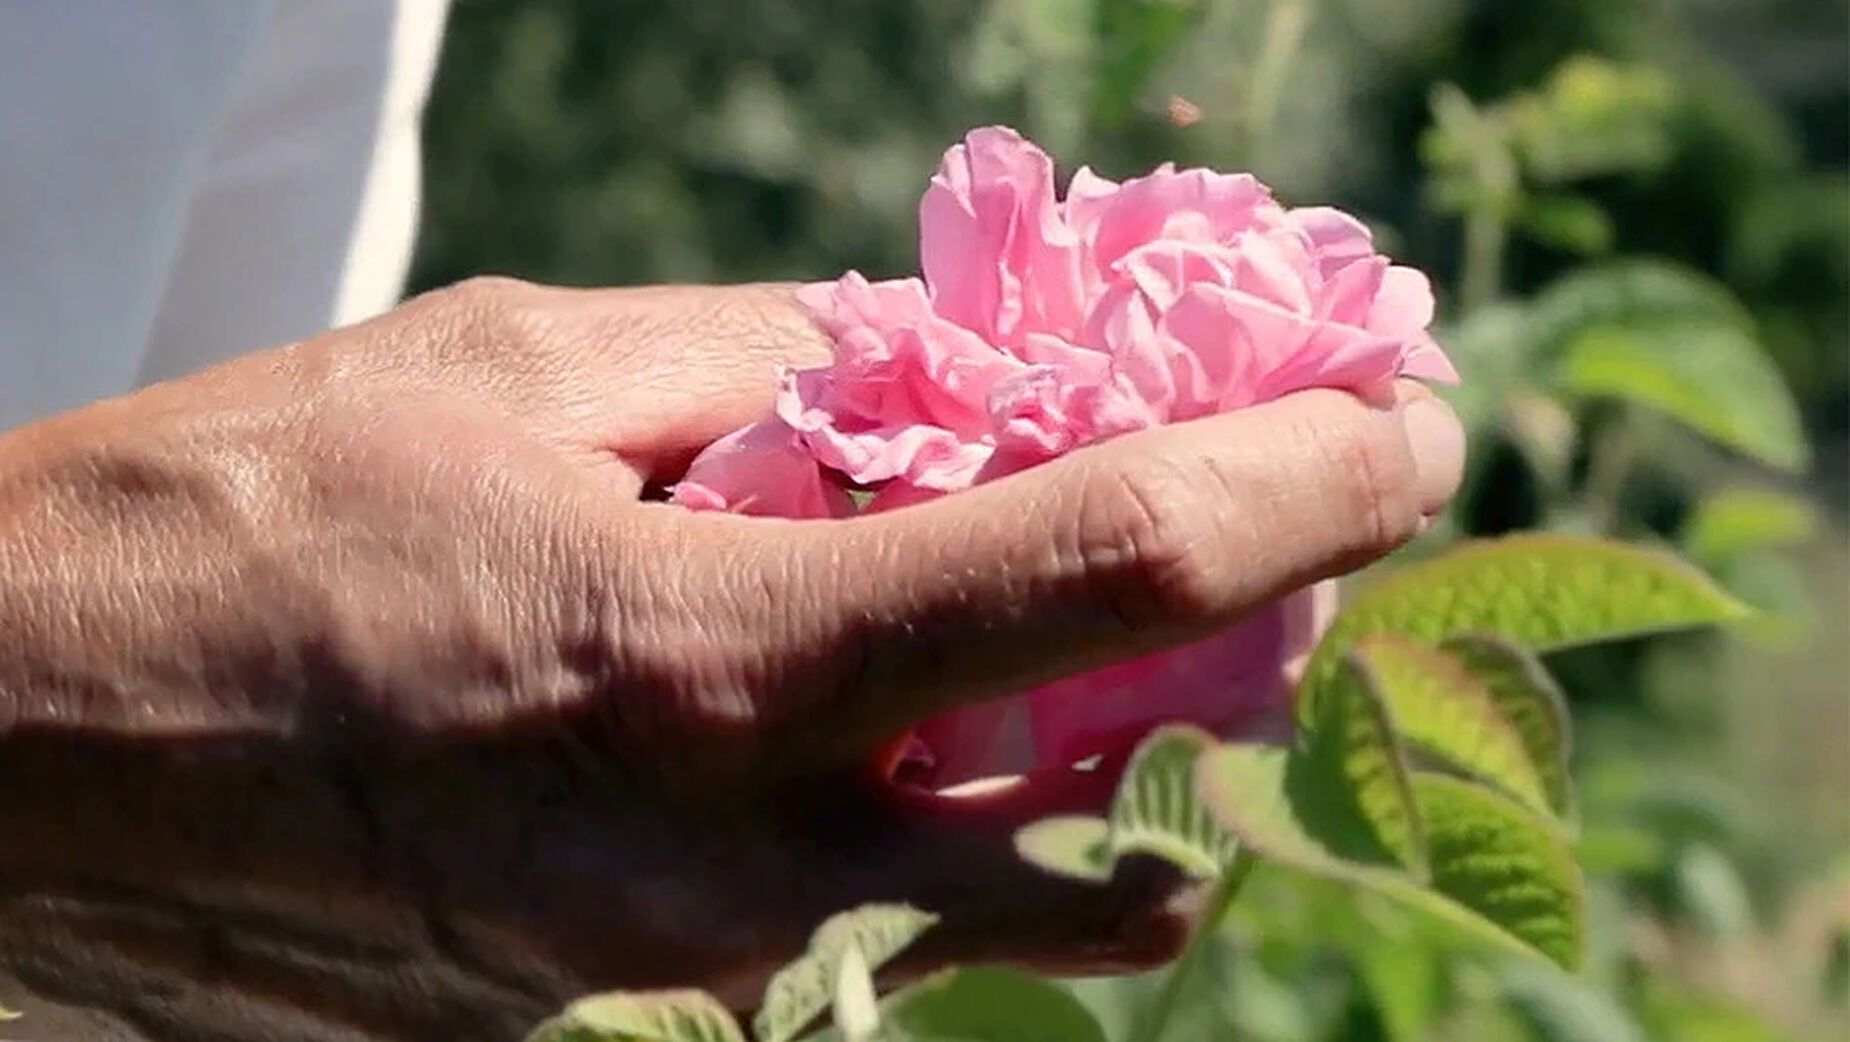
<point x="1147" y="542"/>
<point x="1374" y="482"/>
<point x="488" y="291"/>
<point x="486" y="307"/>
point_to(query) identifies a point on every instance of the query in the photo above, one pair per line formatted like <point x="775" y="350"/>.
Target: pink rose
<point x="1043" y="324"/>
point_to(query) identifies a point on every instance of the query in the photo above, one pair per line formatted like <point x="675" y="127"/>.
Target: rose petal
<point x="761" y="470"/>
<point x="997" y="255"/>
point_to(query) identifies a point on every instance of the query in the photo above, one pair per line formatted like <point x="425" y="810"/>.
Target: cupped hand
<point x="361" y="689"/>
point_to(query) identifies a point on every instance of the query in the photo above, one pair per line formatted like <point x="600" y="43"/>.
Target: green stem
<point x="1614" y="451"/>
<point x="1284" y="32"/>
<point x="1486" y="237"/>
<point x="1220" y="899"/>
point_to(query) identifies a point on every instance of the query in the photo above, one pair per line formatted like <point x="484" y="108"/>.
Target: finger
<point x="1141" y="543"/>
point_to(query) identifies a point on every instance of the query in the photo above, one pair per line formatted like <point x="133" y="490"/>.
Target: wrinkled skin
<point x="356" y="689"/>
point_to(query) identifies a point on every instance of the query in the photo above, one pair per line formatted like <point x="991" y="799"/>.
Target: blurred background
<point x="1638" y="215"/>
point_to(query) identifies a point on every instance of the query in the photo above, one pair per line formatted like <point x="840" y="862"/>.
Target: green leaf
<point x="1541" y="592"/>
<point x="1439" y="707"/>
<point x="991" y="1004"/>
<point x="1711" y="892"/>
<point x="1565" y="1008"/>
<point x="1403" y="979"/>
<point x="1073" y="845"/>
<point x="1529" y="699"/>
<point x="1716" y="379"/>
<point x="1504" y="863"/>
<point x="854" y="1007"/>
<point x="1352" y="776"/>
<point x="1570" y="223"/>
<point x="9" y="1014"/>
<point x="1595" y="116"/>
<point x="799" y="992"/>
<point x="642" y="1016"/>
<point x="1247" y="789"/>
<point x="1624" y="293"/>
<point x="1156" y="811"/>
<point x="1734" y="521"/>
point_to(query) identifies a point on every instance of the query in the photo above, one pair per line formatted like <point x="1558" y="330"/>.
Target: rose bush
<point x="1043" y="324"/>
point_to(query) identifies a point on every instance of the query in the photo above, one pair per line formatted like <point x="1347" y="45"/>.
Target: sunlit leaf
<point x="1247" y="788"/>
<point x="1540" y="592"/>
<point x="1156" y="810"/>
<point x="1073" y="845"/>
<point x="1504" y="863"/>
<point x="1715" y="379"/>
<point x="799" y="992"/>
<point x="1528" y="697"/>
<point x="642" y="1016"/>
<point x="1441" y="708"/>
<point x="1352" y="775"/>
<point x="855" y="1008"/>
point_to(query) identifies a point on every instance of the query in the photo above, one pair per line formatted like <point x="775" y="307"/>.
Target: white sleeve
<point x="106" y="113"/>
<point x="185" y="180"/>
<point x="306" y="209"/>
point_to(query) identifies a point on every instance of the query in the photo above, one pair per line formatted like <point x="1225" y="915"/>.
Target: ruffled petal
<point x="1114" y="222"/>
<point x="1336" y="238"/>
<point x="997" y="254"/>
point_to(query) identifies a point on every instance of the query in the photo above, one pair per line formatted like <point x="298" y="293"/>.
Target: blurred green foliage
<point x="1638" y="214"/>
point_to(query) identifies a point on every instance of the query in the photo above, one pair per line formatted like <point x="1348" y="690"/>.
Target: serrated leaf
<point x="1504" y="863"/>
<point x="1246" y="788"/>
<point x="1540" y="592"/>
<point x="1715" y="379"/>
<point x="1074" y="845"/>
<point x="1742" y="520"/>
<point x="1438" y="706"/>
<point x="642" y="1016"/>
<point x="1530" y="700"/>
<point x="1155" y="810"/>
<point x="855" y="1009"/>
<point x="991" y="1004"/>
<point x="799" y="992"/>
<point x="1352" y="775"/>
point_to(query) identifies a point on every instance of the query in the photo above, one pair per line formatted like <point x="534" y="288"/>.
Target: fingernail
<point x="1438" y="442"/>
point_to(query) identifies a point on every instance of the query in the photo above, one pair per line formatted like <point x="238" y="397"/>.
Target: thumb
<point x="1141" y="543"/>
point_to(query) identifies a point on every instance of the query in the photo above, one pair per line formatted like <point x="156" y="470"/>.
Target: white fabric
<point x="185" y="180"/>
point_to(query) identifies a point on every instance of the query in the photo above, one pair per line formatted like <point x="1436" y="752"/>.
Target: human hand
<point x="357" y="689"/>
